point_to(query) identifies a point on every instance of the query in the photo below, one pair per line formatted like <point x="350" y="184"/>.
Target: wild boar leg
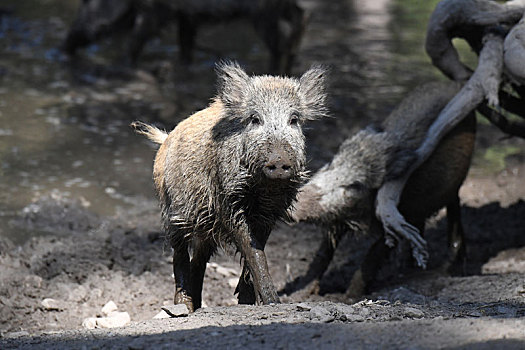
<point x="367" y="272"/>
<point x="201" y="255"/>
<point x="145" y="27"/>
<point x="456" y="238"/>
<point x="181" y="270"/>
<point x="245" y="287"/>
<point x="187" y="33"/>
<point x="374" y="259"/>
<point x="252" y="250"/>
<point x="319" y="264"/>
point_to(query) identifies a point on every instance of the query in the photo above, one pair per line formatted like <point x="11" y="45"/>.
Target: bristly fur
<point x="341" y="196"/>
<point x="208" y="171"/>
<point x="343" y="191"/>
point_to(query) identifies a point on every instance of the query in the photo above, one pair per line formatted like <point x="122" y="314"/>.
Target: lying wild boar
<point x="226" y="174"/>
<point x="341" y="195"/>
<point x="280" y="24"/>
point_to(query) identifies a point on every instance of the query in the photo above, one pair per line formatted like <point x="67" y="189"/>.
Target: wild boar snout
<point x="279" y="165"/>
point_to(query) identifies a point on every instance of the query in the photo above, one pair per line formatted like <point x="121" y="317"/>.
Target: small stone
<point x="16" y="334"/>
<point x="109" y="308"/>
<point x="96" y="293"/>
<point x="303" y="307"/>
<point x="232" y="282"/>
<point x="90" y="323"/>
<point x="321" y="314"/>
<point x="50" y="304"/>
<point x="348" y="309"/>
<point x="117" y="319"/>
<point x="353" y="318"/>
<point x="413" y="312"/>
<point x="178" y="310"/>
<point x="161" y="314"/>
<point x="364" y="312"/>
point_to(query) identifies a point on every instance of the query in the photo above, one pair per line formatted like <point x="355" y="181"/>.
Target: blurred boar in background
<point x="226" y="174"/>
<point x="280" y="24"/>
<point x="341" y="195"/>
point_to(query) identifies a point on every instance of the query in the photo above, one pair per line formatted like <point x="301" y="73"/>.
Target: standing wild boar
<point x="279" y="23"/>
<point x="341" y="195"/>
<point x="226" y="174"/>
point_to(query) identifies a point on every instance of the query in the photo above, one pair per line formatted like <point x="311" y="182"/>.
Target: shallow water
<point x="65" y="127"/>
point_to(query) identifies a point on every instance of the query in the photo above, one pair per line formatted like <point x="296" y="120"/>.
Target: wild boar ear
<point x="231" y="82"/>
<point x="313" y="91"/>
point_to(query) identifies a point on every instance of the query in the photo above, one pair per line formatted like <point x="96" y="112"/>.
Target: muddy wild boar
<point x="227" y="173"/>
<point x="280" y="24"/>
<point x="341" y="195"/>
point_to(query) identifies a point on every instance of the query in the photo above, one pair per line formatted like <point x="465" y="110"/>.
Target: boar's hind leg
<point x="372" y="263"/>
<point x="145" y="27"/>
<point x="319" y="265"/>
<point x="187" y="33"/>
<point x="245" y="287"/>
<point x="366" y="274"/>
<point x="252" y="250"/>
<point x="201" y="254"/>
<point x="181" y="270"/>
<point x="456" y="239"/>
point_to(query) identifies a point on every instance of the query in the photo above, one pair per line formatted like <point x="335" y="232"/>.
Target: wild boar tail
<point x="154" y="134"/>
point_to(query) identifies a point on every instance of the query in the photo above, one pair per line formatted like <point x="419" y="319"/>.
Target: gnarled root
<point x="483" y="84"/>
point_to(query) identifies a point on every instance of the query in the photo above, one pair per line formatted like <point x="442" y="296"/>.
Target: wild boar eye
<point x="356" y="186"/>
<point x="255" y="119"/>
<point x="294" y="119"/>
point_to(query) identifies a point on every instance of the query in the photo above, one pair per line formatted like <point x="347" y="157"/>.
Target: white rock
<point x="364" y="312"/>
<point x="117" y="319"/>
<point x="90" y="323"/>
<point x="232" y="282"/>
<point x="162" y="314"/>
<point x="177" y="310"/>
<point x="413" y="312"/>
<point x="109" y="308"/>
<point x="354" y="318"/>
<point x="303" y="307"/>
<point x="50" y="304"/>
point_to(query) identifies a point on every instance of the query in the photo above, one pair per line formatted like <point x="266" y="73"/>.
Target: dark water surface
<point x="64" y="126"/>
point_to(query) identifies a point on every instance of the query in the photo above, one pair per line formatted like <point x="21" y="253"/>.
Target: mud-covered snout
<point x="279" y="165"/>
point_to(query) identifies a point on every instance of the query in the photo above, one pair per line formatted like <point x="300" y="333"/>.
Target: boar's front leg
<point x="252" y="250"/>
<point x="202" y="251"/>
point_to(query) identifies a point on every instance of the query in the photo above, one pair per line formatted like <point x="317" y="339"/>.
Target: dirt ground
<point x="122" y="260"/>
<point x="51" y="283"/>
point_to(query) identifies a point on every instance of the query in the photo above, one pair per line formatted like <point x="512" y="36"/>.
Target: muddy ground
<point x="83" y="257"/>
